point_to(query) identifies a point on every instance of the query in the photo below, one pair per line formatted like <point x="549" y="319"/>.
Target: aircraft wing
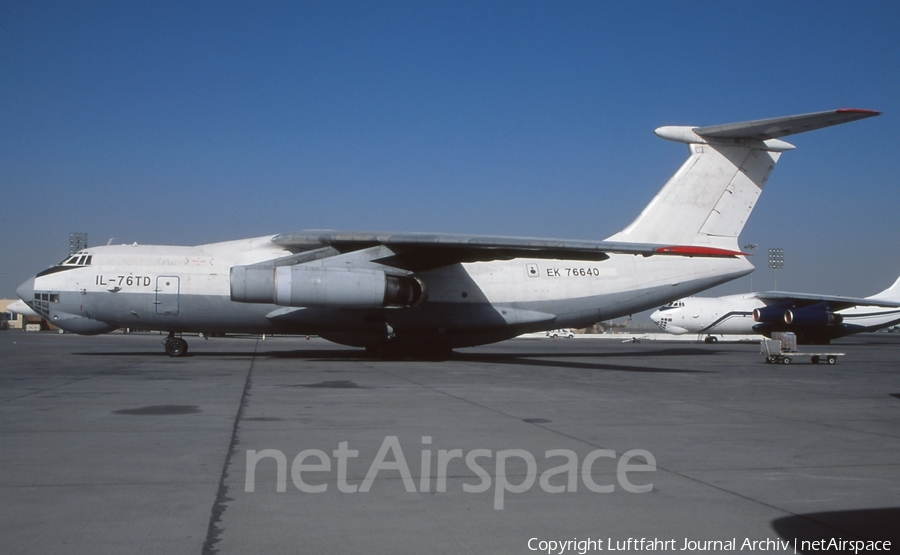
<point x="835" y="302"/>
<point x="418" y="252"/>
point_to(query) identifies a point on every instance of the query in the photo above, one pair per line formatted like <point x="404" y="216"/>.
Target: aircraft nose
<point x="26" y="291"/>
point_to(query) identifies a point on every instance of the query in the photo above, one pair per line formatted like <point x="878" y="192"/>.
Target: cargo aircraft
<point x="814" y="319"/>
<point x="423" y="294"/>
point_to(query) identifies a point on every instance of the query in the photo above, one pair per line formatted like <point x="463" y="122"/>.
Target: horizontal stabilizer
<point x="773" y="128"/>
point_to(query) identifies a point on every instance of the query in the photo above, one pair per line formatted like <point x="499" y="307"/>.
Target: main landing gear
<point x="176" y="346"/>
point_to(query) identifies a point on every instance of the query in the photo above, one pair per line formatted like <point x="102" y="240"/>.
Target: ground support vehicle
<point x="774" y="353"/>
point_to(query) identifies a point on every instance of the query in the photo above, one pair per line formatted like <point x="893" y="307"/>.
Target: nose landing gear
<point x="176" y="346"/>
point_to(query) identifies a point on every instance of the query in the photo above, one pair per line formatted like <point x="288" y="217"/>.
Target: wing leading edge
<point x="423" y="251"/>
<point x="834" y="301"/>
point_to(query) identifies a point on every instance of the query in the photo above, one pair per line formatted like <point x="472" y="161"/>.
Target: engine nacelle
<point x="812" y="318"/>
<point x="769" y="315"/>
<point x="304" y="286"/>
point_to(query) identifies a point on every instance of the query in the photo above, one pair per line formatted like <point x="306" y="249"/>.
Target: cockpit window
<point x="79" y="259"/>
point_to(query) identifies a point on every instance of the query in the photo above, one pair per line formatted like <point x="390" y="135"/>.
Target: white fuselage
<point x="715" y="315"/>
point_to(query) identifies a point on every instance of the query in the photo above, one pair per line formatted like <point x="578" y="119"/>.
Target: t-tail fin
<point x="708" y="200"/>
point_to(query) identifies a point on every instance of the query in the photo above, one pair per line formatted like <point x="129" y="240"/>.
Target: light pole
<point x="751" y="247"/>
<point x="776" y="262"/>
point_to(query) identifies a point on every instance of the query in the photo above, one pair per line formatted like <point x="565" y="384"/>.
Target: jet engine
<point x="812" y="317"/>
<point x="769" y="315"/>
<point x="304" y="286"/>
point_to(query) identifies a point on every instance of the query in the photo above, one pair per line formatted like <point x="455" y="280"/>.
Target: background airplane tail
<point x="892" y="293"/>
<point x="709" y="199"/>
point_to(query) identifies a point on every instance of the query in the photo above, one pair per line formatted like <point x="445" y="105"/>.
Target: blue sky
<point x="188" y="123"/>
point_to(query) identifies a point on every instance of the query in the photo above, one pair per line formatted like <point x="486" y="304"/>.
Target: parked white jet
<point x="19" y="307"/>
<point x="401" y="292"/>
<point x="814" y="319"/>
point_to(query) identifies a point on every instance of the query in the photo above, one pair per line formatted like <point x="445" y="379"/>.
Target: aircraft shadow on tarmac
<point x="567" y="360"/>
<point x="853" y="525"/>
<point x="560" y="359"/>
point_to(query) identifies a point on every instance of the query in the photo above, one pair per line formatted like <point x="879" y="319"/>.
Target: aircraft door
<point x="167" y="288"/>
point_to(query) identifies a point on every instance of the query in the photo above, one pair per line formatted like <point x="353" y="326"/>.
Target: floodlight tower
<point x="776" y="262"/>
<point x="77" y="242"/>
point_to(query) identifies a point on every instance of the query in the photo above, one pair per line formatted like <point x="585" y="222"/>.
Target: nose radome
<point x="26" y="291"/>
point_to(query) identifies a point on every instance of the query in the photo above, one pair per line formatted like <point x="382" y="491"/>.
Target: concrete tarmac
<point x="109" y="446"/>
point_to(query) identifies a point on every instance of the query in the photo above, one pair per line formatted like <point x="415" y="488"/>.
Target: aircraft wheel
<point x="786" y="360"/>
<point x="815" y="359"/>
<point x="832" y="360"/>
<point x="769" y="360"/>
<point x="176" y="347"/>
<point x="711" y="339"/>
